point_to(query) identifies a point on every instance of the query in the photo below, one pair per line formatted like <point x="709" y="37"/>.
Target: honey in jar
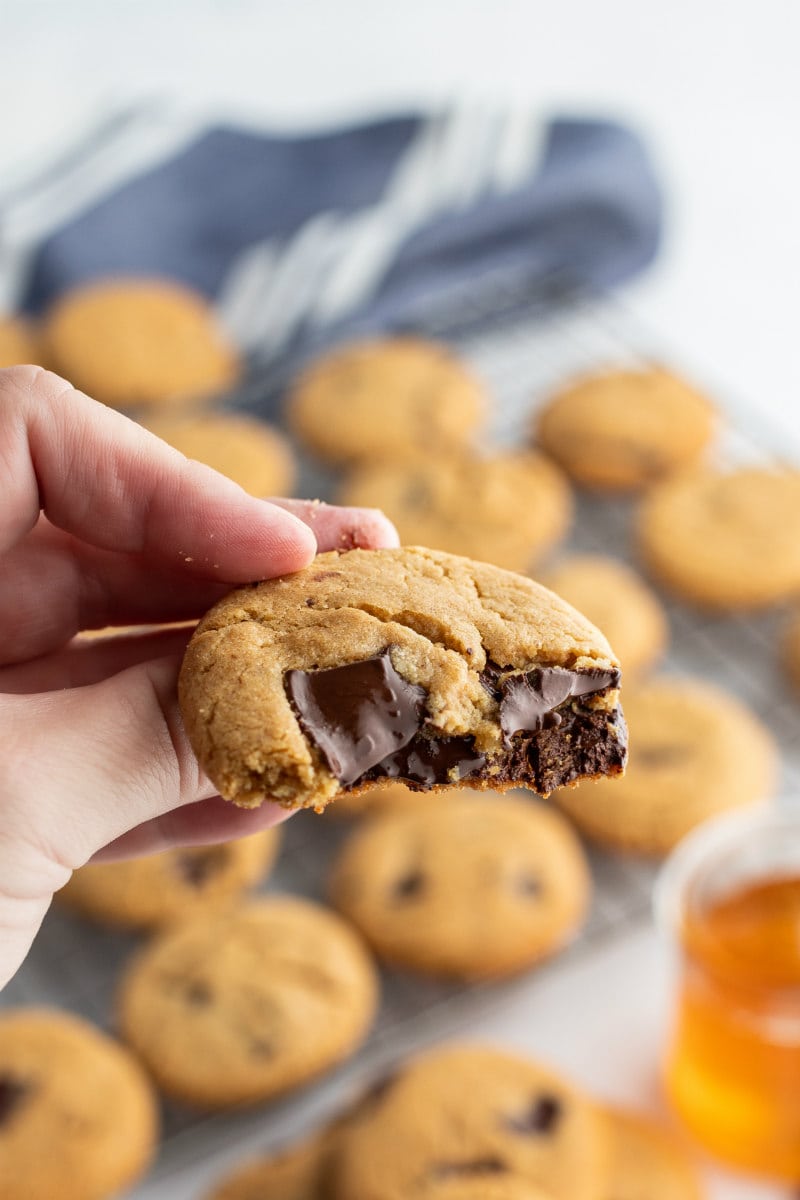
<point x="733" y="1066"/>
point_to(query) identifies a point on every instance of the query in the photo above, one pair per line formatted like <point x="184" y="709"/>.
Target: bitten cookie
<point x="404" y="664"/>
<point x="625" y="429"/>
<point x="249" y="1003"/>
<point x="466" y="1114"/>
<point x="647" y="1162"/>
<point x="139" y="343"/>
<point x="390" y="399"/>
<point x="618" y="602"/>
<point x="18" y="342"/>
<point x="695" y="751"/>
<point x="159" y="889"/>
<point x="249" y="452"/>
<point x="475" y="886"/>
<point x="78" y="1117"/>
<point x="508" y="509"/>
<point x="725" y="541"/>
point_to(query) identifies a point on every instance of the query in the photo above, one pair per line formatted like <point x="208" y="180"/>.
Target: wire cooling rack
<point x="524" y="342"/>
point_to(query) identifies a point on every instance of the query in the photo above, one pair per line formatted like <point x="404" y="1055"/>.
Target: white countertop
<point x="713" y="84"/>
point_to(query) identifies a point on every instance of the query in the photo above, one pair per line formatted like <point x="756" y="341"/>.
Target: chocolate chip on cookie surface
<point x="404" y="664"/>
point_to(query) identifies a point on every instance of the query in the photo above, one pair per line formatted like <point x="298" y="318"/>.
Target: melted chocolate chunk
<point x="356" y="715"/>
<point x="428" y="760"/>
<point x="542" y="1117"/>
<point x="12" y="1093"/>
<point x="472" y="1166"/>
<point x="200" y="865"/>
<point x="410" y="885"/>
<point x="528" y="702"/>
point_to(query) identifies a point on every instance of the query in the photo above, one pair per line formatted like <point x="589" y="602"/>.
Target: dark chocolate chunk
<point x="542" y="1117"/>
<point x="491" y="1165"/>
<point x="529" y="885"/>
<point x="529" y="701"/>
<point x="410" y="885"/>
<point x="429" y="760"/>
<point x="12" y="1093"/>
<point x="261" y="1049"/>
<point x="654" y="757"/>
<point x="356" y="715"/>
<point x="200" y="865"/>
<point x="198" y="994"/>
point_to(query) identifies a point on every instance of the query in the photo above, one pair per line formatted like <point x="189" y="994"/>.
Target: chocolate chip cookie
<point x="249" y="452"/>
<point x="159" y="889"/>
<point x="78" y="1117"/>
<point x="648" y="1162"/>
<point x="725" y="540"/>
<point x="508" y="508"/>
<point x="466" y="1114"/>
<point x="475" y="886"/>
<point x="392" y="399"/>
<point x="623" y="430"/>
<point x="616" y="600"/>
<point x="695" y="751"/>
<point x="139" y="343"/>
<point x="401" y="664"/>
<point x="248" y="1003"/>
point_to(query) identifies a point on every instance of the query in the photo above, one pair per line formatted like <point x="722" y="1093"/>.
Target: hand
<point x="103" y="524"/>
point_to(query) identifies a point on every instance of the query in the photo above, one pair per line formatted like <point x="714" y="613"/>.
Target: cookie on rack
<point x="139" y="343"/>
<point x="248" y="1003"/>
<point x="78" y="1117"/>
<point x="648" y="1162"/>
<point x="250" y="452"/>
<point x="475" y="886"/>
<point x="725" y="540"/>
<point x="160" y="889"/>
<point x="19" y="342"/>
<point x="508" y="508"/>
<point x="618" y="602"/>
<point x="464" y="1114"/>
<point x="624" y="429"/>
<point x="392" y="398"/>
<point x="403" y="664"/>
<point x="695" y="751"/>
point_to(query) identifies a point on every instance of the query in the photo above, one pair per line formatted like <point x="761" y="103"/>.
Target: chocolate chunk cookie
<point x="695" y="751"/>
<point x="476" y="886"/>
<point x="617" y="601"/>
<point x="249" y="1003"/>
<point x="139" y="343"/>
<point x="402" y="664"/>
<point x="78" y="1117"/>
<point x="648" y="1162"/>
<point x="249" y="452"/>
<point x="508" y="509"/>
<point x="725" y="540"/>
<point x="468" y="1115"/>
<point x="159" y="889"/>
<point x="391" y="399"/>
<point x="18" y="342"/>
<point x="625" y="429"/>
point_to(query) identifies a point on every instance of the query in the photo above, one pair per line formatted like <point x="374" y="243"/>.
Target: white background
<point x="713" y="84"/>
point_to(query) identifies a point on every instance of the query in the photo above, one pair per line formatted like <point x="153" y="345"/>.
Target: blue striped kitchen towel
<point x="290" y="235"/>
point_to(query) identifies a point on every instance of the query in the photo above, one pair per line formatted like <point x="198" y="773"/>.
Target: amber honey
<point x="733" y="1065"/>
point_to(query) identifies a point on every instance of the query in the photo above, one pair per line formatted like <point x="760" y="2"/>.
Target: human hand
<point x="103" y="524"/>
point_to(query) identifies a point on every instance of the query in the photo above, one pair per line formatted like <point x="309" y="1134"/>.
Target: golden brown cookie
<point x="725" y="540"/>
<point x="618" y="602"/>
<point x="648" y="1162"/>
<point x="625" y="429"/>
<point x="78" y="1117"/>
<point x="159" y="889"/>
<point x="383" y="797"/>
<point x="394" y="398"/>
<point x="508" y="509"/>
<point x="250" y="452"/>
<point x="402" y="664"/>
<point x="139" y="343"/>
<point x="476" y="886"/>
<point x="466" y="1113"/>
<point x="18" y="342"/>
<point x="248" y="1003"/>
<point x="695" y="751"/>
